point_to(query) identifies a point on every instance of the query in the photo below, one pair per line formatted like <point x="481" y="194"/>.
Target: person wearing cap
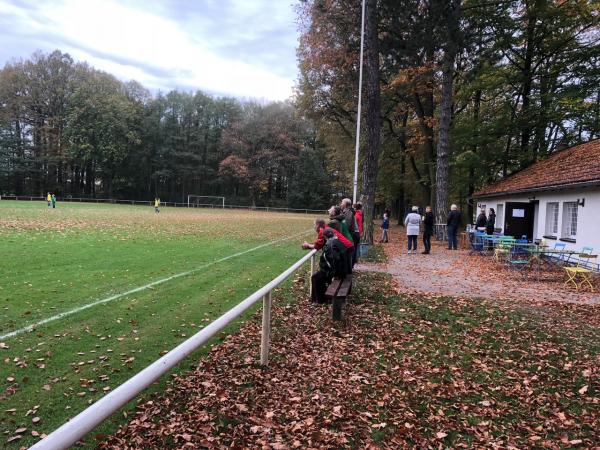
<point x="412" y="222"/>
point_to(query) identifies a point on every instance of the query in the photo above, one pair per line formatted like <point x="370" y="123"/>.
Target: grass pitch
<point x="54" y="262"/>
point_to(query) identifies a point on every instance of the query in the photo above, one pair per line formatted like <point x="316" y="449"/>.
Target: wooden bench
<point x="338" y="291"/>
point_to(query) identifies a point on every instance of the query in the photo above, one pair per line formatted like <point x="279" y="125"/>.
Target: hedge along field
<point x="56" y="261"/>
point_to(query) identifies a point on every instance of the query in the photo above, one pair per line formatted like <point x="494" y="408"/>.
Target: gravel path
<point x="456" y="273"/>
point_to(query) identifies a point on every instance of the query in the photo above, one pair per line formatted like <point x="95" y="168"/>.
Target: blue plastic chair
<point x="584" y="262"/>
<point x="558" y="258"/>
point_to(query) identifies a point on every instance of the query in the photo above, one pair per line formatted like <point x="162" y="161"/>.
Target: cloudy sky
<point x="244" y="48"/>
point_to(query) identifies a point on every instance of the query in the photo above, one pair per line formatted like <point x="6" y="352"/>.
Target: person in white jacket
<point x="411" y="223"/>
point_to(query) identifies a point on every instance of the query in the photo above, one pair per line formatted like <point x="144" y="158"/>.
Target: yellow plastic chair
<point x="580" y="272"/>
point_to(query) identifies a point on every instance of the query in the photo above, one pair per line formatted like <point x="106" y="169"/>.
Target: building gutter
<point x="562" y="187"/>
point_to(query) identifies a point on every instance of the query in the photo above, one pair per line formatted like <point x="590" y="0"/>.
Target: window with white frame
<point x="551" y="219"/>
<point x="500" y="216"/>
<point x="569" y="220"/>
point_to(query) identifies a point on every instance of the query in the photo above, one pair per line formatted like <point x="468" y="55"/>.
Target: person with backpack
<point x="332" y="263"/>
<point x="320" y="228"/>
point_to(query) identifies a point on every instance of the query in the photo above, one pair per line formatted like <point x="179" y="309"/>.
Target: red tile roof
<point x="569" y="167"/>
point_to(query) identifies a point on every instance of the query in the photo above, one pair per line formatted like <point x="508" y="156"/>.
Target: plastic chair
<point x="502" y="250"/>
<point x="477" y="244"/>
<point x="559" y="258"/>
<point x="519" y="259"/>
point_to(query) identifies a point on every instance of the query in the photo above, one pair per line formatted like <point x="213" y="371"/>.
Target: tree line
<point x="458" y="93"/>
<point x="70" y="129"/>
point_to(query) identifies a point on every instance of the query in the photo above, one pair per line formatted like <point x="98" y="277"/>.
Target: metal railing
<point x="164" y="203"/>
<point x="76" y="428"/>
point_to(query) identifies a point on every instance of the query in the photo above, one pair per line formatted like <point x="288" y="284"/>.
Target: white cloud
<point x="133" y="41"/>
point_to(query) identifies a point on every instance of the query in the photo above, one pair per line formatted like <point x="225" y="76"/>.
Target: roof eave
<point x="559" y="187"/>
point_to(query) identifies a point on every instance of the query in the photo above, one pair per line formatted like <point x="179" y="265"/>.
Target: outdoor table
<point x="539" y="251"/>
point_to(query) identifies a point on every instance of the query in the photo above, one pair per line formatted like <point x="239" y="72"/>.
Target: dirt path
<point x="456" y="273"/>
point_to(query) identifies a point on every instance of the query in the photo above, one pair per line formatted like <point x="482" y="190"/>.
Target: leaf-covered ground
<point x="403" y="371"/>
<point x="461" y="274"/>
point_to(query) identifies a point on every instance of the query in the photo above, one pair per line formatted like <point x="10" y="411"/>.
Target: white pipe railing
<point x="76" y="428"/>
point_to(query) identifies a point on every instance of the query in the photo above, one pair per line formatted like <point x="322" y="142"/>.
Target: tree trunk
<point x="443" y="145"/>
<point x="471" y="187"/>
<point x="372" y="119"/>
<point x="527" y="73"/>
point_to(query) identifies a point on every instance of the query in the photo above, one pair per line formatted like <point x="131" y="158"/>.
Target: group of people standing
<point x="486" y="223"/>
<point x="51" y="199"/>
<point x="339" y="240"/>
<point x="413" y="222"/>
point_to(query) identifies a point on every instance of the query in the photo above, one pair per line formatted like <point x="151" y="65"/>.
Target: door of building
<point x="519" y="219"/>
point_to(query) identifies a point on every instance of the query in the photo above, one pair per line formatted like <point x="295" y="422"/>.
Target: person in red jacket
<point x="359" y="216"/>
<point x="320" y="227"/>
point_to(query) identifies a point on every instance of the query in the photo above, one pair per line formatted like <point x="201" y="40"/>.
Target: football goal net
<point x="205" y="201"/>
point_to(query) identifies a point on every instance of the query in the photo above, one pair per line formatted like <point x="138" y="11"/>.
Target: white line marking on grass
<point x="139" y="289"/>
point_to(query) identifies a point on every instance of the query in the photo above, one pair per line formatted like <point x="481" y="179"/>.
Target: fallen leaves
<point x="466" y="373"/>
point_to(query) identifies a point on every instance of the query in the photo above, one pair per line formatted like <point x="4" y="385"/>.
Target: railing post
<point x="266" y="330"/>
<point x="312" y="270"/>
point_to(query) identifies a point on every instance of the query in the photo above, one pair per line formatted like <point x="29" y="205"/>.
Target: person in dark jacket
<point x="332" y="263"/>
<point x="428" y="222"/>
<point x="338" y="222"/>
<point x="481" y="220"/>
<point x="385" y="226"/>
<point x="350" y="215"/>
<point x="453" y="224"/>
<point x="490" y="225"/>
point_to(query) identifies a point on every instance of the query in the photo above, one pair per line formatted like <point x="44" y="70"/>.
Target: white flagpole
<point x="360" y="73"/>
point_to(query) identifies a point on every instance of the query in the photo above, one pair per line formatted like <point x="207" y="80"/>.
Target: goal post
<point x="205" y="201"/>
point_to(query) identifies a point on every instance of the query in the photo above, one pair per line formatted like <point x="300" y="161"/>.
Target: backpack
<point x="333" y="259"/>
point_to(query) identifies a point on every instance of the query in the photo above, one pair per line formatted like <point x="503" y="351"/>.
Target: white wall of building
<point x="588" y="216"/>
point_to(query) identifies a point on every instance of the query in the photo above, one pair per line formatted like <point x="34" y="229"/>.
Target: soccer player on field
<point x="157" y="205"/>
<point x="49" y="200"/>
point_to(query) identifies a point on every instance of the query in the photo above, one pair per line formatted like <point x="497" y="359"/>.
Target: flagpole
<point x="360" y="73"/>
